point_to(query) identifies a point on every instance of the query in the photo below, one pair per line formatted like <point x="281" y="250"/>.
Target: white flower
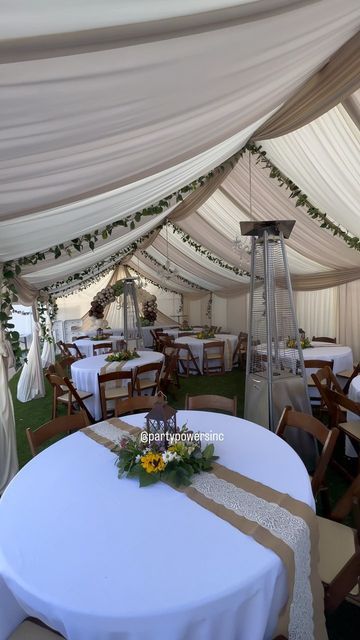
<point x="169" y="456"/>
<point x="137" y="459"/>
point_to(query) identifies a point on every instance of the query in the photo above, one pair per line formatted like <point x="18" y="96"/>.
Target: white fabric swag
<point x="31" y="381"/>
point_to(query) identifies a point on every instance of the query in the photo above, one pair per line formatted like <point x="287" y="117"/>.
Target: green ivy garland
<point x="50" y="307"/>
<point x="181" y="278"/>
<point x="155" y="284"/>
<point x="209" y="308"/>
<point x="302" y="200"/>
<point x="199" y="248"/>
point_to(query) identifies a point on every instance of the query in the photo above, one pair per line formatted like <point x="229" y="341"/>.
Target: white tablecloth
<point x="197" y="347"/>
<point x="84" y="374"/>
<point x="86" y="345"/>
<point x="98" y="558"/>
<point x="342" y="356"/>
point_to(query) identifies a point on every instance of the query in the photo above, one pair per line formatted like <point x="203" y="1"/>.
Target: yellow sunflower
<point x="153" y="462"/>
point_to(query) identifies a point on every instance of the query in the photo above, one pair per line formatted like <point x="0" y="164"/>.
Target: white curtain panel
<point x="322" y="158"/>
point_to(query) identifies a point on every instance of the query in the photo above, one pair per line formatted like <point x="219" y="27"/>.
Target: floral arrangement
<point x="174" y="460"/>
<point x="122" y="356"/>
<point x="304" y="343"/>
<point x="205" y="334"/>
<point x="105" y="297"/>
<point x="149" y="310"/>
<point x="101" y="336"/>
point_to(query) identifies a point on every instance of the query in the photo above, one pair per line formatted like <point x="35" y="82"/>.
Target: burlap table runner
<point x="285" y="525"/>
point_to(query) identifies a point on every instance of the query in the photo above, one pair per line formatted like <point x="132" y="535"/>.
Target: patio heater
<point x="132" y="325"/>
<point x="275" y="373"/>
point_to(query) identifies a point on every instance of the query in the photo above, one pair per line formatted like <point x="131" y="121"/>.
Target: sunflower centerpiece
<point x="162" y="451"/>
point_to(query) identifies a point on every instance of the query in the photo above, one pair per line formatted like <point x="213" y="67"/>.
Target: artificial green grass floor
<point x="345" y="623"/>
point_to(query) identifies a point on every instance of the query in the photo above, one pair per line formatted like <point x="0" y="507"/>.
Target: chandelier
<point x="242" y="245"/>
<point x="167" y="271"/>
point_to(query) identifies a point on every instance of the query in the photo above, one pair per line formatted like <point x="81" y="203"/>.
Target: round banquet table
<point x="84" y="375"/>
<point x="96" y="557"/>
<point x="341" y="355"/>
<point x="197" y="347"/>
<point x="86" y="345"/>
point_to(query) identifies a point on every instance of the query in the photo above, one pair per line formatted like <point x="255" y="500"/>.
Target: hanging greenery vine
<point x="46" y="304"/>
<point x="178" y="277"/>
<point x="209" y="308"/>
<point x="301" y="199"/>
<point x="199" y="248"/>
<point x="148" y="280"/>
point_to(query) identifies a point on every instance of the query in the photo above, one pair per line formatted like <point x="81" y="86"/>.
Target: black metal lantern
<point x="161" y="418"/>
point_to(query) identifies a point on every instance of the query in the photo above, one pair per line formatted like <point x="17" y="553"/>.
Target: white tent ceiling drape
<point x="109" y="108"/>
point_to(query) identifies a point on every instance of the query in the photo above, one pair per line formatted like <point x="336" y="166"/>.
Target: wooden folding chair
<point x="61" y="425"/>
<point x="339" y="547"/>
<point x="349" y="377"/>
<point x="212" y="402"/>
<point x="65" y="393"/>
<point x="63" y="366"/>
<point x="239" y="356"/>
<point x="135" y="404"/>
<point x="315" y="400"/>
<point x="169" y="374"/>
<point x="70" y="348"/>
<point x="324" y="339"/>
<point x="104" y="347"/>
<point x="325" y="437"/>
<point x="338" y="403"/>
<point x="186" y="359"/>
<point x="63" y="349"/>
<point x="148" y="383"/>
<point x="214" y="359"/>
<point x="111" y="392"/>
<point x="324" y="378"/>
<point x="32" y="629"/>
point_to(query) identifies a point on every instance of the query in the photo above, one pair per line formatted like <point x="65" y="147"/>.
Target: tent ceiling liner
<point x="104" y="115"/>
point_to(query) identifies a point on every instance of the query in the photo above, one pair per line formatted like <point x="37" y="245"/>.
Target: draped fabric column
<point x="8" y="455"/>
<point x="31" y="381"/>
<point x="48" y="350"/>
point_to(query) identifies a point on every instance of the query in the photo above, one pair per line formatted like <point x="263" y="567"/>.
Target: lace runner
<point x="275" y="520"/>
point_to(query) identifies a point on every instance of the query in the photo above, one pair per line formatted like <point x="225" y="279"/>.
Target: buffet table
<point x="98" y="557"/>
<point x="84" y="375"/>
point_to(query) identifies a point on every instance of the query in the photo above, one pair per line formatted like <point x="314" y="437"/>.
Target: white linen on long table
<point x="101" y="558"/>
<point x="84" y="374"/>
<point x="197" y="347"/>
